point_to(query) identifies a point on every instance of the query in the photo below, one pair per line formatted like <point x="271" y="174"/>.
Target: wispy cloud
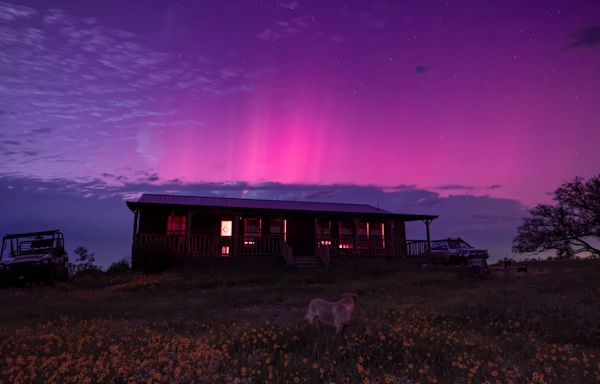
<point x="286" y="28"/>
<point x="12" y="12"/>
<point x="585" y="38"/>
<point x="421" y="69"/>
<point x="80" y="79"/>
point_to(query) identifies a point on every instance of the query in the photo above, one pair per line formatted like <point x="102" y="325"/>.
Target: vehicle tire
<point x="63" y="274"/>
<point x="50" y="276"/>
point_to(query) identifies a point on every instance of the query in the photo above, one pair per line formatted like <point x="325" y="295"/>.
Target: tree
<point x="84" y="261"/>
<point x="570" y="226"/>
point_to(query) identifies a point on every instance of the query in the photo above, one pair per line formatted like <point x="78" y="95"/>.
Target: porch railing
<point x="201" y="245"/>
<point x="204" y="245"/>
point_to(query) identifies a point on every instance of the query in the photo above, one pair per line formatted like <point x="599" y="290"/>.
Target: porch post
<point x="316" y="231"/>
<point x="136" y="216"/>
<point x="235" y="235"/>
<point x="427" y="222"/>
<point x="388" y="238"/>
<point x="188" y="231"/>
<point x="355" y="236"/>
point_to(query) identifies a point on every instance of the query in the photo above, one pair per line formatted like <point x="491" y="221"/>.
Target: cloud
<point x="338" y="39"/>
<point x="285" y="29"/>
<point x="291" y="5"/>
<point x="12" y="12"/>
<point x="41" y="130"/>
<point x="456" y="187"/>
<point x="585" y="38"/>
<point x="420" y="69"/>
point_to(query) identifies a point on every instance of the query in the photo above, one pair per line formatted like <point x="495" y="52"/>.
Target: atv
<point x="35" y="256"/>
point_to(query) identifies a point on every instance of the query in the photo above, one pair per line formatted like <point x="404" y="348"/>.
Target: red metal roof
<point x="279" y="205"/>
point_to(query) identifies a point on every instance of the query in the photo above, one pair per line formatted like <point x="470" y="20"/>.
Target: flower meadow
<point x="392" y="347"/>
<point x="486" y="341"/>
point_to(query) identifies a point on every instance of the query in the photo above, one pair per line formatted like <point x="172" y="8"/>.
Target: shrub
<point x="119" y="267"/>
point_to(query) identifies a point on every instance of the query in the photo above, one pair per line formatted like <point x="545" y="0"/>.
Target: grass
<point x="413" y="325"/>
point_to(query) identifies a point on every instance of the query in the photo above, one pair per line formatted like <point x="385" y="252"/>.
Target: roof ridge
<point x="242" y="198"/>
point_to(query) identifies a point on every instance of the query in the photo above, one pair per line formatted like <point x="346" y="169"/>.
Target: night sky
<point x="474" y="110"/>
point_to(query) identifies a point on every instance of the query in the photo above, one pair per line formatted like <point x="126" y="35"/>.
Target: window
<point x="377" y="232"/>
<point x="226" y="228"/>
<point x="324" y="243"/>
<point x="279" y="228"/>
<point x="252" y="227"/>
<point x="346" y="235"/>
<point x="252" y="230"/>
<point x="175" y="224"/>
<point x="324" y="228"/>
<point x="362" y="230"/>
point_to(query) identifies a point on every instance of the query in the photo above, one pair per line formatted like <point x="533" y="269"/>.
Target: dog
<point x="335" y="313"/>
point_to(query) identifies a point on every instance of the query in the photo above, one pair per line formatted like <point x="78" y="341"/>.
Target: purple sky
<point x="470" y="109"/>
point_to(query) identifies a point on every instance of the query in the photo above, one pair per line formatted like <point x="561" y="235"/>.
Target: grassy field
<point x="414" y="325"/>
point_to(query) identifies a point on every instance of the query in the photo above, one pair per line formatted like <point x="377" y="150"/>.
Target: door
<point x="301" y="235"/>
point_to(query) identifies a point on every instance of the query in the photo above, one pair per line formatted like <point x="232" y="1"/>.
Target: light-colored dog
<point x="335" y="313"/>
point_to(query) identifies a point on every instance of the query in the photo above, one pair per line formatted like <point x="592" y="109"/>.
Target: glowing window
<point x="324" y="243"/>
<point x="345" y="229"/>
<point x="278" y="228"/>
<point x="175" y="225"/>
<point x="362" y="229"/>
<point x="226" y="227"/>
<point x="252" y="227"/>
<point x="324" y="228"/>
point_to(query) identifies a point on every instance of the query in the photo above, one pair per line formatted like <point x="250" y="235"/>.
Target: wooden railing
<point x="416" y="247"/>
<point x="372" y="246"/>
<point x="208" y="246"/>
<point x="201" y="245"/>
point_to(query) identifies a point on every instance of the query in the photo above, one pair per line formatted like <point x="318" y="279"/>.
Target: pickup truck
<point x="34" y="256"/>
<point x="456" y="251"/>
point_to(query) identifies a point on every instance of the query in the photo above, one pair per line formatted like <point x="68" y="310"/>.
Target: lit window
<point x="324" y="228"/>
<point x="226" y="227"/>
<point x="175" y="225"/>
<point x="362" y="230"/>
<point x="225" y="250"/>
<point x="278" y="228"/>
<point x="324" y="243"/>
<point x="377" y="234"/>
<point x="346" y="235"/>
<point x="252" y="227"/>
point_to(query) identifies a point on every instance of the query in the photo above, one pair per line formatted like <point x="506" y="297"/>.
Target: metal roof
<point x="278" y="205"/>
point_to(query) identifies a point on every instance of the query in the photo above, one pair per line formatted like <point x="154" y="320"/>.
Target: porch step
<point x="307" y="262"/>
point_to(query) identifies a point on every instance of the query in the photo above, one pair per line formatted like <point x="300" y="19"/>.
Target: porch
<point x="183" y="246"/>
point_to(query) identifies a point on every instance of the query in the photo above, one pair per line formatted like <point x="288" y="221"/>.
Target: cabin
<point x="175" y="230"/>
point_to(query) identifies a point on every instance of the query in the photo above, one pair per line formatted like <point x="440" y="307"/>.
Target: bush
<point x="119" y="267"/>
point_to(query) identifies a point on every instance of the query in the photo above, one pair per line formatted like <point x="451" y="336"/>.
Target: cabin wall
<point x="153" y="220"/>
<point x="207" y="223"/>
<point x="399" y="232"/>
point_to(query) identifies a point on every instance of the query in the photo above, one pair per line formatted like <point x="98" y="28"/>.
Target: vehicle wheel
<point x="63" y="275"/>
<point x="50" y="276"/>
